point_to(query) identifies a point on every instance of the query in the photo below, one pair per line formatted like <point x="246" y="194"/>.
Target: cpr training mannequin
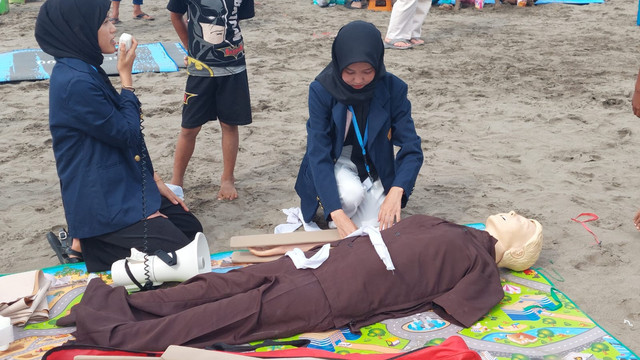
<point x="358" y="113"/>
<point x="439" y="265"/>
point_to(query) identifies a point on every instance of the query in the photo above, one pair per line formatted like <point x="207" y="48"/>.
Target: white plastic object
<point x="6" y="333"/>
<point x="125" y="39"/>
<point x="193" y="259"/>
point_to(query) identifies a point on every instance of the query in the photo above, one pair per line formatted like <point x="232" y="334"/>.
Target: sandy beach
<point x="524" y="109"/>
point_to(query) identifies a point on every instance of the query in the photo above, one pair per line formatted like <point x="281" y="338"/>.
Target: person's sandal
<point x="144" y="16"/>
<point x="391" y="44"/>
<point x="62" y="248"/>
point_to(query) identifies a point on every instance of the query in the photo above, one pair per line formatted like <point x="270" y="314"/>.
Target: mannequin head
<point x="519" y="240"/>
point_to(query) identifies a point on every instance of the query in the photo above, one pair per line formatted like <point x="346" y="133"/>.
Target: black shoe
<point x="63" y="248"/>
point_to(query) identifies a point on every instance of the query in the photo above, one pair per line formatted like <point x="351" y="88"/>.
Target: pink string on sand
<point x="582" y="222"/>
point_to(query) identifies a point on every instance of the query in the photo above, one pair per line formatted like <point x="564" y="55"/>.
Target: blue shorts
<point x="225" y="98"/>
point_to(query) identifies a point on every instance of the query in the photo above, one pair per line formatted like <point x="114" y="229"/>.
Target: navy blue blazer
<point x="390" y="123"/>
<point x="98" y="147"/>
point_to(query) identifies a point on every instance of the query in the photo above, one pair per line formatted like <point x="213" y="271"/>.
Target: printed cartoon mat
<point x="533" y="321"/>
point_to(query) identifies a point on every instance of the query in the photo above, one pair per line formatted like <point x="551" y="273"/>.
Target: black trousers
<point x="168" y="234"/>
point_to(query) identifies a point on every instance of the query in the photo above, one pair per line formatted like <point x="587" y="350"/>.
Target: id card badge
<point x="367" y="183"/>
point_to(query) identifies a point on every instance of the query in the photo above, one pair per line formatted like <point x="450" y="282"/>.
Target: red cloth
<point x="454" y="348"/>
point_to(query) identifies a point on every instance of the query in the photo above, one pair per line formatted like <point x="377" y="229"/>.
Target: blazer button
<point x="137" y="158"/>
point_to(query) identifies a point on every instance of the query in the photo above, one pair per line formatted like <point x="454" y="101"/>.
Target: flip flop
<point x="391" y="44"/>
<point x="114" y="20"/>
<point x="144" y="16"/>
<point x="63" y="250"/>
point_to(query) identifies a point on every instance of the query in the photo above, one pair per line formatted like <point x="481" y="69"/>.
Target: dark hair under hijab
<point x="69" y="29"/>
<point x="358" y="41"/>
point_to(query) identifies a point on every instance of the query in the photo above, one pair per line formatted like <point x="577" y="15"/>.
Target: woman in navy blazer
<point x="113" y="199"/>
<point x="358" y="112"/>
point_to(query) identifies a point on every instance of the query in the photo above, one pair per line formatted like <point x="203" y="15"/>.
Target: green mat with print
<point x="533" y="321"/>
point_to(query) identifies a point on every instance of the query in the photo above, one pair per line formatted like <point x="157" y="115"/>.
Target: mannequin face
<point x="511" y="230"/>
<point x="106" y="37"/>
<point x="358" y="75"/>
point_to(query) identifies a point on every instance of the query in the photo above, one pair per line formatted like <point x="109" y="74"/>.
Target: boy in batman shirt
<point x="217" y="86"/>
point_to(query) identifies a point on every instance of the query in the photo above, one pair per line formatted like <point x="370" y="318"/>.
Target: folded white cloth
<point x="176" y="190"/>
<point x="301" y="261"/>
<point x="294" y="221"/>
<point x="378" y="244"/>
<point x="23" y="296"/>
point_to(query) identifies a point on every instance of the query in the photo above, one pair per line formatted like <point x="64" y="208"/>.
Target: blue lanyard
<point x="363" y="142"/>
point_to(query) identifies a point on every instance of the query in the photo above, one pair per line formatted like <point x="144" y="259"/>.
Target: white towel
<point x="294" y="221"/>
<point x="301" y="261"/>
<point x="378" y="244"/>
<point x="176" y="190"/>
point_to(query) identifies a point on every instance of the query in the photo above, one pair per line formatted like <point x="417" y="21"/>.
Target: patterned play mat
<point x="533" y="321"/>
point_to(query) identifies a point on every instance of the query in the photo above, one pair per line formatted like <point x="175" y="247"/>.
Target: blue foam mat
<point x="34" y="64"/>
<point x="572" y="2"/>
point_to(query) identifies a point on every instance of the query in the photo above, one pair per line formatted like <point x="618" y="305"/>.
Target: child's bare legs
<point x="230" y="142"/>
<point x="115" y="9"/>
<point x="137" y="12"/>
<point x="184" y="150"/>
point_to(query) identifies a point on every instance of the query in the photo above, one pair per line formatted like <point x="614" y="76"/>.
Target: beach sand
<point x="524" y="109"/>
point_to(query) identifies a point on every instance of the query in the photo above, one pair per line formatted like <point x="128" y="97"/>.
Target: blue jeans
<point x="135" y="2"/>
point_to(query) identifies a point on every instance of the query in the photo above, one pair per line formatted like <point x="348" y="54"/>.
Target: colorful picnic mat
<point x="34" y="64"/>
<point x="537" y="2"/>
<point x="533" y="321"/>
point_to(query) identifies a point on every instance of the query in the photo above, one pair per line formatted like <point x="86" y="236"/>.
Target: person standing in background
<point x="405" y="24"/>
<point x="138" y="14"/>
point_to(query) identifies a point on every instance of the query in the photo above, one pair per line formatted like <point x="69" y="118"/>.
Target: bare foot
<point x="227" y="190"/>
<point x="417" y="41"/>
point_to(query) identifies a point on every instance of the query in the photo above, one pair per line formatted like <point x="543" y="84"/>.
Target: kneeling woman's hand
<point x="166" y="192"/>
<point x="390" y="209"/>
<point x="343" y="223"/>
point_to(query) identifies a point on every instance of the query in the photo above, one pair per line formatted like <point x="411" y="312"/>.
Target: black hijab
<point x="69" y="29"/>
<point x="358" y="41"/>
